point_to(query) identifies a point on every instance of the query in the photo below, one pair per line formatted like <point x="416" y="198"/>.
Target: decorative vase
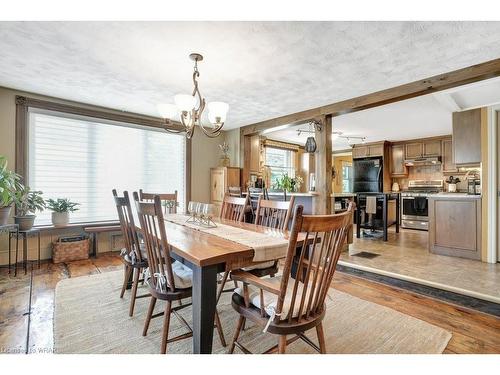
<point x="4" y="214"/>
<point x="224" y="161"/>
<point x="60" y="219"/>
<point x="25" y="222"/>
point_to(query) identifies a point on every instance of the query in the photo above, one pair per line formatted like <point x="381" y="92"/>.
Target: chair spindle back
<point x="316" y="260"/>
<point x="164" y="197"/>
<point x="233" y="208"/>
<point x="274" y="214"/>
<point x="155" y="241"/>
<point x="127" y="224"/>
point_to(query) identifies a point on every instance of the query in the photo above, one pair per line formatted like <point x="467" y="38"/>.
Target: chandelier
<point x="189" y="109"/>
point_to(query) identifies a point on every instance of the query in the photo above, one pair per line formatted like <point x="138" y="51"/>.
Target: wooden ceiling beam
<point x="471" y="74"/>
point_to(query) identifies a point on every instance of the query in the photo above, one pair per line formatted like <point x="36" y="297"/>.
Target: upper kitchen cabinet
<point x="423" y="149"/>
<point x="432" y="148"/>
<point x="448" y="159"/>
<point x="414" y="150"/>
<point x="467" y="137"/>
<point x="368" y="150"/>
<point x="398" y="167"/>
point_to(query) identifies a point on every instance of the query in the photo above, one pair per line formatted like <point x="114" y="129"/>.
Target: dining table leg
<point x="204" y="303"/>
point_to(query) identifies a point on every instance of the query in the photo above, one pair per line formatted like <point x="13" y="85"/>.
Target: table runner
<point x="266" y="247"/>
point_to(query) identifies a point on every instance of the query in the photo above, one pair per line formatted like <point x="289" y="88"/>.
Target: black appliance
<point x="367" y="175"/>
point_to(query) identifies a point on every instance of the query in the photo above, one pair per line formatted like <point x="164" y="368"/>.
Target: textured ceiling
<point x="262" y="70"/>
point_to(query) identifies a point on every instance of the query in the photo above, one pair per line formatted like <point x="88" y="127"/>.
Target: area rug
<point x="90" y="317"/>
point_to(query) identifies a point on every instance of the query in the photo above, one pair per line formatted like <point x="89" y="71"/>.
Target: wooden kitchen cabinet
<point x="221" y="179"/>
<point x="414" y="150"/>
<point x="369" y="150"/>
<point x="359" y="152"/>
<point x="376" y="150"/>
<point x="467" y="137"/>
<point x="432" y="148"/>
<point x="423" y="149"/>
<point x="448" y="160"/>
<point x="398" y="167"/>
<point x="455" y="226"/>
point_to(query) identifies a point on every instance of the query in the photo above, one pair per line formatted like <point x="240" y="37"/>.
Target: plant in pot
<point x="27" y="203"/>
<point x="61" y="207"/>
<point x="10" y="182"/>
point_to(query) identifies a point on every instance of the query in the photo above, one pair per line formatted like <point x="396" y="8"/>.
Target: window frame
<point x="293" y="161"/>
<point x="23" y="104"/>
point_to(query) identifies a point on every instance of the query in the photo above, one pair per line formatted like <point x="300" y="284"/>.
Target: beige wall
<point x="232" y="138"/>
<point x="205" y="154"/>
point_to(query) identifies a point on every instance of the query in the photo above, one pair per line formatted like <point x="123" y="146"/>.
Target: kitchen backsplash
<point x="429" y="172"/>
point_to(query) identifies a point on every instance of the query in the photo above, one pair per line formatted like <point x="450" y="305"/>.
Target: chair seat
<point x="260" y="266"/>
<point x="130" y="259"/>
<point x="183" y="276"/>
<point x="271" y="300"/>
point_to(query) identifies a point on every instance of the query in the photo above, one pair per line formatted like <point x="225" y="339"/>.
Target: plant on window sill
<point x="61" y="208"/>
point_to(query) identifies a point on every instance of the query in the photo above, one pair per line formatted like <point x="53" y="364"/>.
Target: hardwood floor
<point x="22" y="332"/>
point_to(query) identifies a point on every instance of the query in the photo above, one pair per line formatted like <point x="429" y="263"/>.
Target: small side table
<point x="10" y="228"/>
<point x="24" y="234"/>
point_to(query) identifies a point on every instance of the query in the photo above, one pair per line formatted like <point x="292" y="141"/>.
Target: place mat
<point x="90" y="317"/>
<point x="266" y="246"/>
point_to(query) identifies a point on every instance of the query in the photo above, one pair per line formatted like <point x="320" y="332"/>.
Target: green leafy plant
<point x="10" y="182"/>
<point x="62" y="205"/>
<point x="28" y="201"/>
<point x="288" y="183"/>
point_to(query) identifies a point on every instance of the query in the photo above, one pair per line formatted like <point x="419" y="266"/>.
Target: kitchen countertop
<point x="446" y="195"/>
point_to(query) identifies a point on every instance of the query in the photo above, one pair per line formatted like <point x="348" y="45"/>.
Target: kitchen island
<point x="455" y="225"/>
<point x="386" y="221"/>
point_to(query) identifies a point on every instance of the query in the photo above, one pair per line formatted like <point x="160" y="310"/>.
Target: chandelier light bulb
<point x="185" y="102"/>
<point x="217" y="112"/>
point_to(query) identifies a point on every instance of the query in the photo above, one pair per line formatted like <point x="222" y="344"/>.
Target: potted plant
<point x="61" y="207"/>
<point x="27" y="203"/>
<point x="288" y="183"/>
<point x="10" y="182"/>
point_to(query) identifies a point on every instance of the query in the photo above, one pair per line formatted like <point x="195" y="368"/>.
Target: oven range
<point x="414" y="203"/>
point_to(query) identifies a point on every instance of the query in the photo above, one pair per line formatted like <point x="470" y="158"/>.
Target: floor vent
<point x="366" y="254"/>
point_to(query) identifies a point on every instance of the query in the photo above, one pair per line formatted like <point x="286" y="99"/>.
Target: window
<point x="280" y="161"/>
<point x="346" y="177"/>
<point x="83" y="159"/>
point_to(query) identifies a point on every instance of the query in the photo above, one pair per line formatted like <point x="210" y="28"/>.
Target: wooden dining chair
<point x="272" y="214"/>
<point x="233" y="208"/>
<point x="255" y="194"/>
<point x="234" y="191"/>
<point x="133" y="255"/>
<point x="291" y="306"/>
<point x="164" y="197"/>
<point x="168" y="280"/>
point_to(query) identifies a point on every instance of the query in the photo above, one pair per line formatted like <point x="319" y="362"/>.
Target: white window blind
<point x="83" y="159"/>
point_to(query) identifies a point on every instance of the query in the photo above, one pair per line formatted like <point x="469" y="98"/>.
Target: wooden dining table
<point x="207" y="255"/>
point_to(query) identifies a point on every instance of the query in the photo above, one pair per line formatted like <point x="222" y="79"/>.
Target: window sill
<point x="77" y="225"/>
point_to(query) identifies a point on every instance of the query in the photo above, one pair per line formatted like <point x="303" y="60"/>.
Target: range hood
<point x="434" y="160"/>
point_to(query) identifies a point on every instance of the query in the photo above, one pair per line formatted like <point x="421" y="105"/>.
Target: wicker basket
<point x="69" y="251"/>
